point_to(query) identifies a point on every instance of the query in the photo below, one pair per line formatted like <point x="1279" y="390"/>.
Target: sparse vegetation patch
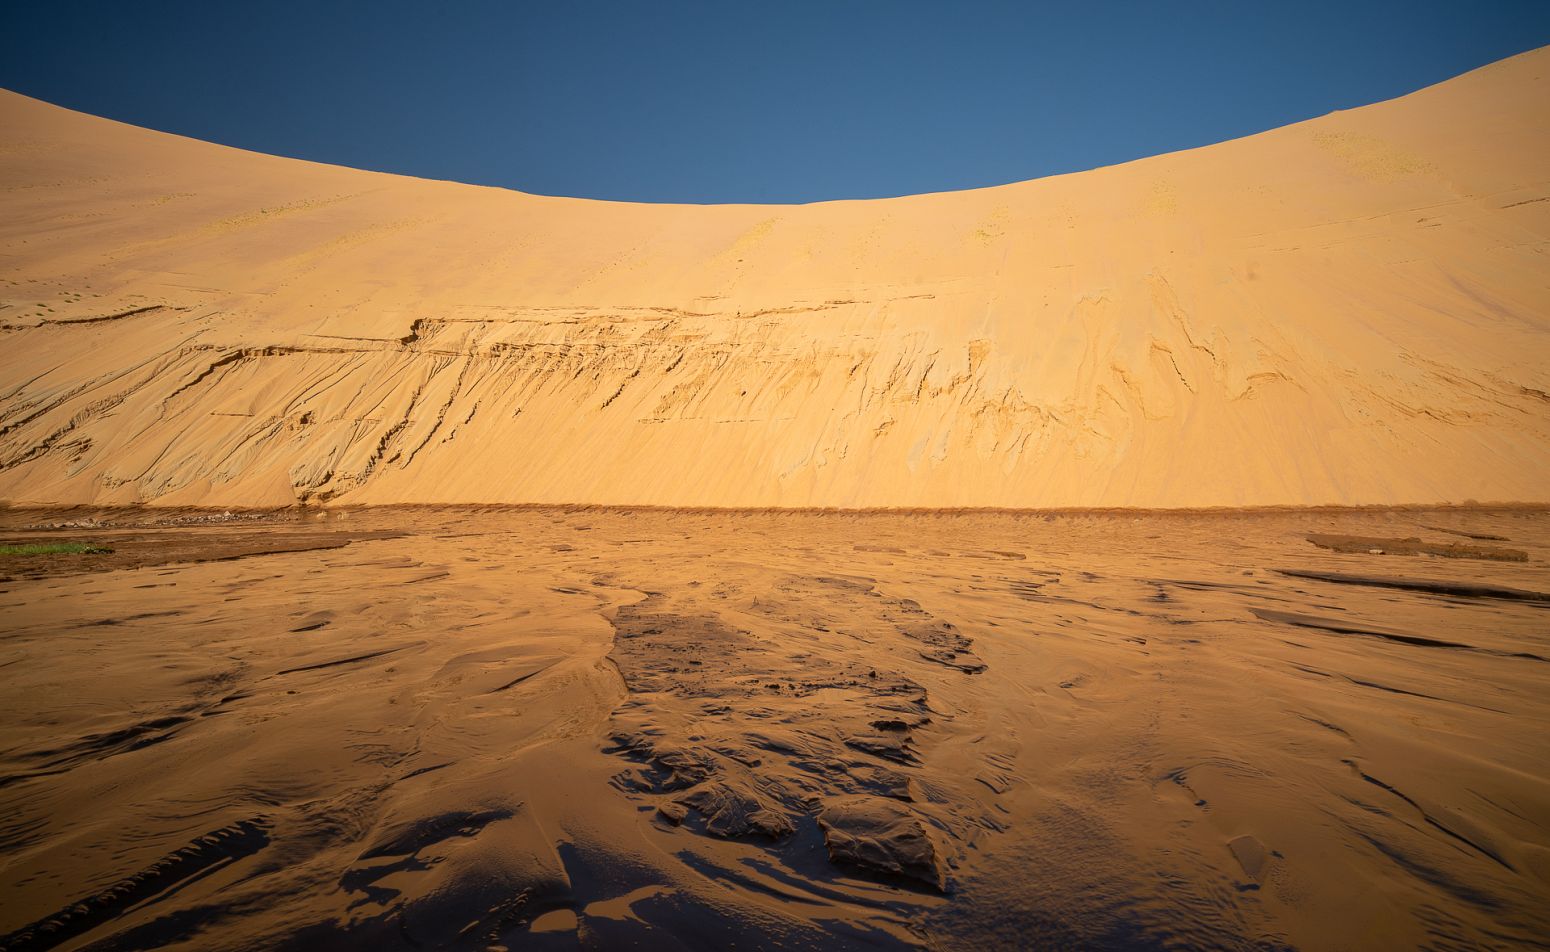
<point x="55" y="548"/>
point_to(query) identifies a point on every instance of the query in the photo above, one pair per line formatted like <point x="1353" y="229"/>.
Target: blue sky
<point x="738" y="101"/>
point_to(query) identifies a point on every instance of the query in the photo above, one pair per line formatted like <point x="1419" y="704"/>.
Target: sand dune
<point x="1351" y="310"/>
<point x="595" y="727"/>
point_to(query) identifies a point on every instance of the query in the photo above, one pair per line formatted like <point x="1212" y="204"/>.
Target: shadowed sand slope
<point x="1354" y="309"/>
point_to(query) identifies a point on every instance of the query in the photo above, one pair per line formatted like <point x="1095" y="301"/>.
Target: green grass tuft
<point x="55" y="548"/>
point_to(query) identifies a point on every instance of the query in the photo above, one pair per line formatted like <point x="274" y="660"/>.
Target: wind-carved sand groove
<point x="95" y="747"/>
<point x="745" y="735"/>
<point x="158" y="881"/>
<point x="1212" y="327"/>
<point x="1343" y="627"/>
<point x="1430" y="586"/>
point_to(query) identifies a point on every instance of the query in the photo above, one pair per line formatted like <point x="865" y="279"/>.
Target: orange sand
<point x="1348" y="310"/>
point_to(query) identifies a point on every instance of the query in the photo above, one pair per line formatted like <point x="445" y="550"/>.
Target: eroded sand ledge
<point x="1350" y="310"/>
<point x="550" y="728"/>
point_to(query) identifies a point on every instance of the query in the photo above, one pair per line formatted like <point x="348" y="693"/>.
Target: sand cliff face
<point x="1354" y="309"/>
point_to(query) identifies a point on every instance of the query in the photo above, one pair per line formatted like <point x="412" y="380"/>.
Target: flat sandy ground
<point x="551" y="728"/>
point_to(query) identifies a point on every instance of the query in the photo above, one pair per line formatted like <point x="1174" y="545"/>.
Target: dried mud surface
<point x="593" y="728"/>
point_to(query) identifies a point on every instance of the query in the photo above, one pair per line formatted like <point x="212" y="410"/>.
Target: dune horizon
<point x="1348" y="311"/>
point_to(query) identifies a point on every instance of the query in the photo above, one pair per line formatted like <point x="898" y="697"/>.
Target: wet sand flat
<point x="611" y="728"/>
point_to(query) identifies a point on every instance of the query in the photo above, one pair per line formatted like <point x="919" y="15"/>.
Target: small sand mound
<point x="884" y="836"/>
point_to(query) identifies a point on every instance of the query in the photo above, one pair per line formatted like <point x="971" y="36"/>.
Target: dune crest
<point x="1350" y="310"/>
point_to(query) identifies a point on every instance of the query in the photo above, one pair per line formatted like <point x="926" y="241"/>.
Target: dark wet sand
<point x="550" y="728"/>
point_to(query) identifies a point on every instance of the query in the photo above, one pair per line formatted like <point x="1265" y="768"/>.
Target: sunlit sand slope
<point x="1354" y="309"/>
